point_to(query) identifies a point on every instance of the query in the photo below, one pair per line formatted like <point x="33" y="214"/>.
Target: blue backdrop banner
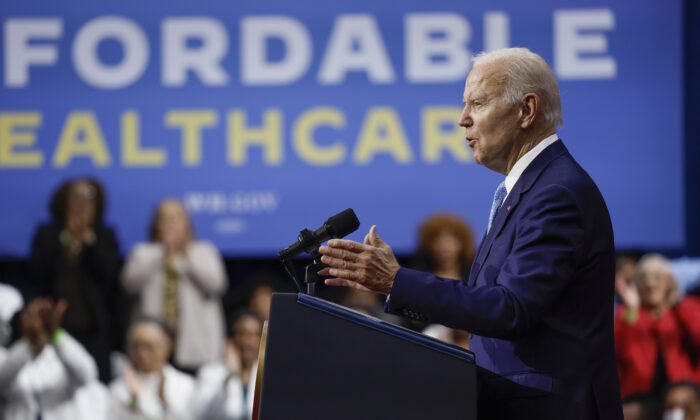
<point x="267" y="117"/>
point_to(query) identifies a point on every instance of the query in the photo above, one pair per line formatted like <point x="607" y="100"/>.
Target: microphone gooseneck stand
<point x="311" y="270"/>
<point x="308" y="241"/>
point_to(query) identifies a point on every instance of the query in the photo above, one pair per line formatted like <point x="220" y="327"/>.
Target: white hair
<point x="527" y="72"/>
<point x="654" y="260"/>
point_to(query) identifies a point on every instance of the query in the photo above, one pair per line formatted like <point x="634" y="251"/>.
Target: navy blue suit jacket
<point x="540" y="293"/>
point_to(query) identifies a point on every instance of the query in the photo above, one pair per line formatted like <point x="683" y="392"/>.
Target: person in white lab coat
<point x="150" y="388"/>
<point x="42" y="371"/>
<point x="225" y="389"/>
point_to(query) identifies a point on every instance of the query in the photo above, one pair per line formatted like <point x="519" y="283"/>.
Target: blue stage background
<point x="625" y="128"/>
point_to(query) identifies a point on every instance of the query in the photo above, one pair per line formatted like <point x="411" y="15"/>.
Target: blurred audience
<point x="260" y="298"/>
<point x="181" y="280"/>
<point x="370" y="303"/>
<point x="445" y="247"/>
<point x="41" y="372"/>
<point x="76" y="258"/>
<point x="149" y="387"/>
<point x="362" y="301"/>
<point x="225" y="390"/>
<point x="682" y="402"/>
<point x="657" y="334"/>
<point x="177" y="281"/>
<point x="11" y="302"/>
<point x="687" y="273"/>
<point x="625" y="267"/>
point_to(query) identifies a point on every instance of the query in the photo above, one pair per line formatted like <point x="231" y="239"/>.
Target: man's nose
<point x="464" y="118"/>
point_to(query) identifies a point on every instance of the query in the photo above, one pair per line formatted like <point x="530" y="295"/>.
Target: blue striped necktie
<point x="498" y="198"/>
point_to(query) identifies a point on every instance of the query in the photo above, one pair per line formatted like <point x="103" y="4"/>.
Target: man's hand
<point x="366" y="266"/>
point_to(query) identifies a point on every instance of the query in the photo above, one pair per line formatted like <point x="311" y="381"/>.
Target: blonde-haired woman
<point x="181" y="280"/>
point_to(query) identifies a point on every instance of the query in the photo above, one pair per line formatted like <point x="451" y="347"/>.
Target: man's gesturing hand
<point x="367" y="266"/>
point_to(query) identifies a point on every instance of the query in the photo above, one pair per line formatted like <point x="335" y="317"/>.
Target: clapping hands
<point x="39" y="321"/>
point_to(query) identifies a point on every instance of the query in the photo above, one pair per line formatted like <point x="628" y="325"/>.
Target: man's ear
<point x="529" y="107"/>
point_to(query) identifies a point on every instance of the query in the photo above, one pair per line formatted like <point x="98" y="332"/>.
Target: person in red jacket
<point x="657" y="335"/>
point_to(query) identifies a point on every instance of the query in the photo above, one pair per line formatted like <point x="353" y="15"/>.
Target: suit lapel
<point x="525" y="182"/>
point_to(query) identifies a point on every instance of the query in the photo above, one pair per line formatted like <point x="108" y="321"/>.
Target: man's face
<point x="492" y="126"/>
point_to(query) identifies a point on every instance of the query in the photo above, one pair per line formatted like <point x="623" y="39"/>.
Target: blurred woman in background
<point x="445" y="247"/>
<point x="76" y="258"/>
<point x="181" y="280"/>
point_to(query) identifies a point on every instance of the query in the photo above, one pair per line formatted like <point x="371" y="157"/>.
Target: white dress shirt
<point x="525" y="161"/>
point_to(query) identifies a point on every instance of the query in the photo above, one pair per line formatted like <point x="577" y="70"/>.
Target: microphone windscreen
<point x="342" y="224"/>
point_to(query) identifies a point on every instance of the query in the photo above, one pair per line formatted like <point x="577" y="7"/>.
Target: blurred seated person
<point x="181" y="280"/>
<point x="149" y="387"/>
<point x="682" y="402"/>
<point x="362" y="301"/>
<point x="445" y="247"/>
<point x="657" y="336"/>
<point x="225" y="390"/>
<point x="76" y="258"/>
<point x="625" y="266"/>
<point x="368" y="303"/>
<point x="41" y="372"/>
<point x="260" y="299"/>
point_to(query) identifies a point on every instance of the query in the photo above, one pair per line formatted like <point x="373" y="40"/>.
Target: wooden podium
<point x="323" y="361"/>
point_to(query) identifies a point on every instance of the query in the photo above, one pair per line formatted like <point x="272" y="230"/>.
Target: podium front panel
<point x="323" y="361"/>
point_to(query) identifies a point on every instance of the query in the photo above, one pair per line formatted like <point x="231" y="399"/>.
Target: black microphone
<point x="338" y="226"/>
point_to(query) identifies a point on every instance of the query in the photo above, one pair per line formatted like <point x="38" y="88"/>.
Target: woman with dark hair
<point x="181" y="280"/>
<point x="76" y="258"/>
<point x="445" y="247"/>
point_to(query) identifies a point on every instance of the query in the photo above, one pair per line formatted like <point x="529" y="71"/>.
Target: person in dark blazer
<point x="539" y="299"/>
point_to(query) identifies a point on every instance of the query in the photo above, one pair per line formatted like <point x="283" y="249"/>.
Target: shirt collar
<point x="525" y="161"/>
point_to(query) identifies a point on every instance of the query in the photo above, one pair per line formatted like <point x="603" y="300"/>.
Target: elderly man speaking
<point x="540" y="294"/>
